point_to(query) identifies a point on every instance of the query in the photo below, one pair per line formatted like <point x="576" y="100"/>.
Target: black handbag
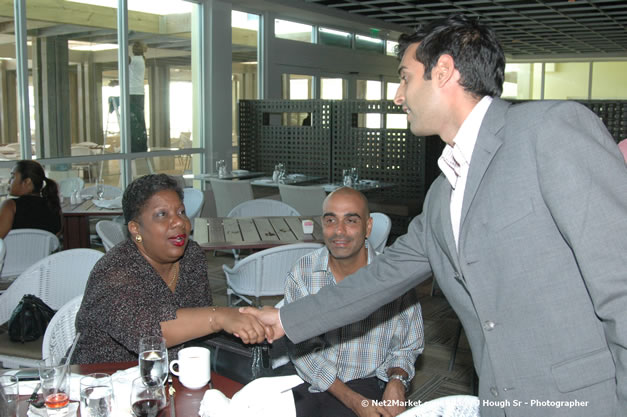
<point x="29" y="320"/>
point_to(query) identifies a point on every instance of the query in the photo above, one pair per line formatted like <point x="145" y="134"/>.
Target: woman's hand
<point x="244" y="326"/>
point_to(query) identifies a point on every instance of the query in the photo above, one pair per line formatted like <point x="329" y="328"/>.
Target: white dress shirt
<point x="455" y="160"/>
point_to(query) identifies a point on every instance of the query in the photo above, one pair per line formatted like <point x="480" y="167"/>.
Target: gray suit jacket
<point x="540" y="277"/>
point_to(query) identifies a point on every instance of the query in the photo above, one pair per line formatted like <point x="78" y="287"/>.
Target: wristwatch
<point x="401" y="378"/>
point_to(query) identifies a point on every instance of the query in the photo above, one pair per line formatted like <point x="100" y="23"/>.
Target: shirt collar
<point x="455" y="158"/>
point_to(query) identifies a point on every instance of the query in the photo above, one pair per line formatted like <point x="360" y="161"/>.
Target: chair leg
<point x="451" y="362"/>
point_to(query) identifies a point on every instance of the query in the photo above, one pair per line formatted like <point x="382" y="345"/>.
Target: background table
<point x="76" y="222"/>
<point x="231" y="176"/>
<point x="187" y="401"/>
<point x="253" y="232"/>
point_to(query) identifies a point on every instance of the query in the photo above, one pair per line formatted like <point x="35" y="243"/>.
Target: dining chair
<point x="228" y="193"/>
<point x="263" y="273"/>
<point x="60" y="332"/>
<point x="68" y="185"/>
<point x="24" y="247"/>
<point x="111" y="233"/>
<point x="193" y="199"/>
<point x="262" y="207"/>
<point x="381" y="226"/>
<point x="55" y="279"/>
<point x="306" y="199"/>
<point x="82" y="166"/>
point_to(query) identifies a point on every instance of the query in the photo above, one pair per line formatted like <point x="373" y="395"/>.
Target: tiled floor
<point x="433" y="379"/>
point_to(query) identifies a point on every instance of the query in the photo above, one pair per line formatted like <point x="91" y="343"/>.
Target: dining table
<point x="187" y="401"/>
<point x="232" y="175"/>
<point x="290" y="179"/>
<point x="262" y="232"/>
<point x="76" y="221"/>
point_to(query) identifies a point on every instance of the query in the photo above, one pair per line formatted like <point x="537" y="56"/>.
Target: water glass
<point x="355" y="175"/>
<point x="348" y="178"/>
<point x="153" y="359"/>
<point x="54" y="376"/>
<point x="96" y="395"/>
<point x="99" y="188"/>
<point x="221" y="168"/>
<point x="9" y="394"/>
<point x="147" y="398"/>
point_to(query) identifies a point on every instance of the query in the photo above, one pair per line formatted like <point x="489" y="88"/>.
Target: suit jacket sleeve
<point x="584" y="183"/>
<point x="390" y="275"/>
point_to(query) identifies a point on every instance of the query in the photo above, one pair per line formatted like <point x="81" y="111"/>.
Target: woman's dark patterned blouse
<point x="126" y="299"/>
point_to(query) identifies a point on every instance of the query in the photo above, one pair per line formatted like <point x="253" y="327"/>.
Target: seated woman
<point x="153" y="283"/>
<point x="37" y="205"/>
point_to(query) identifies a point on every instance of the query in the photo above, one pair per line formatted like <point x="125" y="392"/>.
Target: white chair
<point x="68" y="185"/>
<point x="262" y="207"/>
<point x="306" y="199"/>
<point x="82" y="166"/>
<point x="381" y="226"/>
<point x="111" y="233"/>
<point x="193" y="199"/>
<point x="110" y="192"/>
<point x="56" y="279"/>
<point x="3" y="252"/>
<point x="24" y="247"/>
<point x="263" y="273"/>
<point x="449" y="406"/>
<point x="227" y="194"/>
<point x="61" y="330"/>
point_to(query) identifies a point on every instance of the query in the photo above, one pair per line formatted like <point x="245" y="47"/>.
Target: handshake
<point x="253" y="325"/>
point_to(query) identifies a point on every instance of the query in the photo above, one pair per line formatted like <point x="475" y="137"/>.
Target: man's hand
<point x="394" y="394"/>
<point x="269" y="318"/>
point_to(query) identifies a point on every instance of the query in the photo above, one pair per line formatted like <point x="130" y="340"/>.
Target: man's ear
<point x="443" y="70"/>
<point x="369" y="224"/>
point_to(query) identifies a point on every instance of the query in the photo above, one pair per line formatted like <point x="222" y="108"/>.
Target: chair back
<point x="24" y="247"/>
<point x="262" y="207"/>
<point x="111" y="233"/>
<point x="61" y="330"/>
<point x="227" y="194"/>
<point x="306" y="199"/>
<point x="110" y="192"/>
<point x="193" y="199"/>
<point x="3" y="252"/>
<point x="68" y="185"/>
<point x="381" y="226"/>
<point x="263" y="273"/>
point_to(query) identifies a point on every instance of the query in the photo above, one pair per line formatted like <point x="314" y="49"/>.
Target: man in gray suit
<point x="525" y="232"/>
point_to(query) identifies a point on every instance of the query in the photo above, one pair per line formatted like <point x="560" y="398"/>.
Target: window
<point x="332" y="88"/>
<point x="368" y="90"/>
<point x="566" y="80"/>
<point x="609" y="80"/>
<point x="366" y="43"/>
<point x="334" y="38"/>
<point x="390" y="48"/>
<point x="523" y="81"/>
<point x="291" y="30"/>
<point x="297" y="87"/>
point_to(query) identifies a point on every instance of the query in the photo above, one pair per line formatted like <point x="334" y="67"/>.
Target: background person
<point x="153" y="283"/>
<point x="136" y="71"/>
<point x="525" y="232"/>
<point x="373" y="359"/>
<point x="37" y="205"/>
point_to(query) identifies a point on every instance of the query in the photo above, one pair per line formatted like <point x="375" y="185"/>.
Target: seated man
<point x="372" y="359"/>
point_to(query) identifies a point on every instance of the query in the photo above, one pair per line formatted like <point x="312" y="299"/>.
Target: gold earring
<point x="138" y="238"/>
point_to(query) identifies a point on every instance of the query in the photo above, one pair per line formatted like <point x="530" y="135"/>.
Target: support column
<point x="159" y="87"/>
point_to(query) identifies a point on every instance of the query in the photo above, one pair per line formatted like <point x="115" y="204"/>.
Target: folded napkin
<point x="263" y="397"/>
<point x="109" y="204"/>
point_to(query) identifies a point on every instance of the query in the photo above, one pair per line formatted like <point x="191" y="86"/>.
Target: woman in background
<point x="153" y="283"/>
<point x="37" y="205"/>
<point x="136" y="70"/>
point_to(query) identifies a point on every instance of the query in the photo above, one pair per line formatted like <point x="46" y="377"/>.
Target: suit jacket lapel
<point x="488" y="142"/>
<point x="444" y="233"/>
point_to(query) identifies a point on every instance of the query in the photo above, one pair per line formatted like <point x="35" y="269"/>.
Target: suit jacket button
<point x="494" y="391"/>
<point x="489" y="325"/>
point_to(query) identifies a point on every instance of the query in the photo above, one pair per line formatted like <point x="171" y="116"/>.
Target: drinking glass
<point x="153" y="359"/>
<point x="54" y="376"/>
<point x="99" y="188"/>
<point x="96" y="395"/>
<point x="9" y="394"/>
<point x="348" y="178"/>
<point x="147" y="397"/>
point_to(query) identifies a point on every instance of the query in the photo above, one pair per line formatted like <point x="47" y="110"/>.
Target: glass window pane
<point x="9" y="119"/>
<point x="368" y="90"/>
<point x="523" y="81"/>
<point x="367" y="43"/>
<point x="390" y="48"/>
<point x="609" y="80"/>
<point x="297" y="87"/>
<point x="292" y="30"/>
<point x="332" y="88"/>
<point x="566" y="80"/>
<point x="334" y="37"/>
<point x="390" y="90"/>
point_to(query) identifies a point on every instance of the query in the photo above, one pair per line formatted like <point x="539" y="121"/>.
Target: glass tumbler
<point x="9" y="394"/>
<point x="96" y="395"/>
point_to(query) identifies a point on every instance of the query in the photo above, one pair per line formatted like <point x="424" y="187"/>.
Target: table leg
<point x="76" y="232"/>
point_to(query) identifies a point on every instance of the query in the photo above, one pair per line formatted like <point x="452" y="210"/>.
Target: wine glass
<point x="147" y="397"/>
<point x="99" y="188"/>
<point x="96" y="395"/>
<point x="153" y="359"/>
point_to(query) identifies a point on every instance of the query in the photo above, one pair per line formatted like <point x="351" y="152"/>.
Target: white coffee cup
<point x="193" y="367"/>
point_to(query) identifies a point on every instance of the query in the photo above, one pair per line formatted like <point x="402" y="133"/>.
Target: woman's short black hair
<point x="142" y="189"/>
